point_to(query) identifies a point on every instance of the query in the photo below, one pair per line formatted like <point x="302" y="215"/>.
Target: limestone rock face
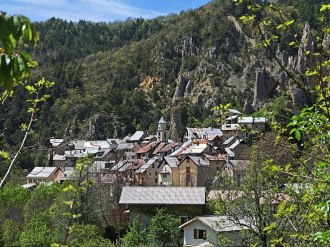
<point x="180" y="87"/>
<point x="72" y="129"/>
<point x="247" y="109"/>
<point x="189" y="47"/>
<point x="264" y="85"/>
<point x="176" y="119"/>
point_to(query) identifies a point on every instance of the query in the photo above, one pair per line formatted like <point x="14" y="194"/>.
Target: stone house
<point x="44" y="174"/>
<point x="168" y="171"/>
<point x="193" y="172"/>
<point x="182" y="202"/>
<point x="126" y="151"/>
<point x="146" y="152"/>
<point x="216" y="161"/>
<point x="131" y="177"/>
<point x="235" y="169"/>
<point x="147" y="174"/>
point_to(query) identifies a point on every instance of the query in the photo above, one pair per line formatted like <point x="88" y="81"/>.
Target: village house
<point x="146" y="152"/>
<point x="168" y="149"/>
<point x="126" y="151"/>
<point x="216" y="161"/>
<point x="137" y="137"/>
<point x="192" y="134"/>
<point x="235" y="169"/>
<point x="193" y="172"/>
<point x="197" y="149"/>
<point x="147" y="174"/>
<point x="204" y="230"/>
<point x="131" y="177"/>
<point x="44" y="174"/>
<point x="182" y="202"/>
<point x="168" y="171"/>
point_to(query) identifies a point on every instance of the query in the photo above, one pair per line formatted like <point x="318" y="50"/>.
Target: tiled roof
<point x="186" y="145"/>
<point x="168" y="147"/>
<point x="136" y="165"/>
<point x="147" y="148"/>
<point x="215" y="156"/>
<point x="163" y="195"/>
<point x="160" y="146"/>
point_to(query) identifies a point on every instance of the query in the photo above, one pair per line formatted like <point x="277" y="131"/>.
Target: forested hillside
<point x="111" y="78"/>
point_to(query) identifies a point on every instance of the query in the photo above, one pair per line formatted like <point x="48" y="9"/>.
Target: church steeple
<point x="162" y="132"/>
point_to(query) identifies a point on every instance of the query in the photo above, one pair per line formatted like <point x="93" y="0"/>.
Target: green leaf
<point x="297" y="135"/>
<point x="26" y="55"/>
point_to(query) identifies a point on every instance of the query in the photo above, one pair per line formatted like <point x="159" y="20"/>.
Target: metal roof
<point x="146" y="165"/>
<point x="125" y="167"/>
<point x="236" y="143"/>
<point x="239" y="165"/>
<point x="118" y="165"/>
<point x="247" y="120"/>
<point x="195" y="149"/>
<point x="163" y="195"/>
<point x="231" y="118"/>
<point x="218" y="223"/>
<point x="234" y="111"/>
<point x="78" y="144"/>
<point x="43" y="172"/>
<point x="198" y="161"/>
<point x="123" y="146"/>
<point x="180" y="149"/>
<point x="67" y="173"/>
<point x="173" y="162"/>
<point x="226" y="142"/>
<point x="229" y="152"/>
<point x="137" y="136"/>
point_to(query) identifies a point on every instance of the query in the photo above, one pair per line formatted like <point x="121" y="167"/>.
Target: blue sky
<point x="96" y="10"/>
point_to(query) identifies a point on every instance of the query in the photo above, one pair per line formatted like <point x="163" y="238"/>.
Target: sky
<point x="96" y="10"/>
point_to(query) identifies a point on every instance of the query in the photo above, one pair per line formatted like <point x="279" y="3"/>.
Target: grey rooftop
<point x="163" y="195"/>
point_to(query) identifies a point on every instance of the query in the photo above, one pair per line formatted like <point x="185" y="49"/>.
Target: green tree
<point x="164" y="229"/>
<point x="134" y="235"/>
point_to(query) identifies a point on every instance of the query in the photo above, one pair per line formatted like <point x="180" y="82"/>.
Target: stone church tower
<point x="162" y="132"/>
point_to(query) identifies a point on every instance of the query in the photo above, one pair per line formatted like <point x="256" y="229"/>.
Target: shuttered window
<point x="199" y="234"/>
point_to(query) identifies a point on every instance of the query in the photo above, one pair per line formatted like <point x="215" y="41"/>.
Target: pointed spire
<point x="162" y="120"/>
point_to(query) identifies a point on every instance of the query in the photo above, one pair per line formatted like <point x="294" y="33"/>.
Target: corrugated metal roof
<point x="218" y="223"/>
<point x="123" y="146"/>
<point x="160" y="146"/>
<point x="247" y="120"/>
<point x="168" y="147"/>
<point x="43" y="172"/>
<point x="229" y="152"/>
<point x="118" y="165"/>
<point x="226" y="142"/>
<point x="236" y="143"/>
<point x="234" y="111"/>
<point x="173" y="162"/>
<point x="146" y="165"/>
<point x="78" y="144"/>
<point x="137" y="136"/>
<point x="231" y="118"/>
<point x="163" y="195"/>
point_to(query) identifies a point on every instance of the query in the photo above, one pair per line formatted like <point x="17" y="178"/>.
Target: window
<point x="256" y="126"/>
<point x="188" y="160"/>
<point x="217" y="167"/>
<point x="192" y="184"/>
<point x="153" y="165"/>
<point x="30" y="181"/>
<point x="156" y="181"/>
<point x="155" y="173"/>
<point x="199" y="234"/>
<point x="183" y="219"/>
<point x="164" y="175"/>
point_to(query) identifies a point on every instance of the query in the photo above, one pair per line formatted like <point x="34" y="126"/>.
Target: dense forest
<point x="122" y="76"/>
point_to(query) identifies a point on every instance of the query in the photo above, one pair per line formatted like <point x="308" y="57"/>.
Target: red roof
<point x="136" y="165"/>
<point x="147" y="148"/>
<point x="160" y="146"/>
<point x="169" y="146"/>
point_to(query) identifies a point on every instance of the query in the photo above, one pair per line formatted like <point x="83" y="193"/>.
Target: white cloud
<point x="75" y="10"/>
